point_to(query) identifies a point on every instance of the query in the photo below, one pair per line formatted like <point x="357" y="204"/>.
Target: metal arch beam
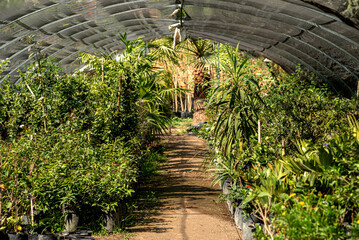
<point x="305" y="21"/>
<point x="241" y="30"/>
<point x="254" y="12"/>
<point x="243" y="47"/>
<point x="110" y="6"/>
<point x="75" y="16"/>
<point x="315" y="25"/>
<point x="314" y="60"/>
<point x="246" y="36"/>
<point x="336" y="46"/>
<point x="243" y="3"/>
<point x="247" y="45"/>
<point x="94" y="30"/>
<point x="80" y="14"/>
<point x="254" y="30"/>
<point x="106" y="7"/>
<point x="329" y="57"/>
<point x="292" y="56"/>
<point x="29" y="14"/>
<point x="333" y="44"/>
<point x="74" y="54"/>
<point x="112" y="29"/>
<point x="80" y="24"/>
<point x="69" y="38"/>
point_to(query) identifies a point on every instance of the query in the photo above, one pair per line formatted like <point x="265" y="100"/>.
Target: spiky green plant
<point x="235" y="103"/>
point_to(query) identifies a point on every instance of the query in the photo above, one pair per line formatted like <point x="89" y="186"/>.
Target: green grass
<point x="178" y="122"/>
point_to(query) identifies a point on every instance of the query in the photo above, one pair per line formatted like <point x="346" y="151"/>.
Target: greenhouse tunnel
<point x="319" y="35"/>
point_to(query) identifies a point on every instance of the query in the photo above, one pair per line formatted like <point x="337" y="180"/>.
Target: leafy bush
<point x="296" y="108"/>
<point x="309" y="217"/>
<point x="289" y="137"/>
<point x="77" y="143"/>
<point x="59" y="179"/>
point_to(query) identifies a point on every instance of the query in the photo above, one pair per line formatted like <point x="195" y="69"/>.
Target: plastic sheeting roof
<point x="322" y="36"/>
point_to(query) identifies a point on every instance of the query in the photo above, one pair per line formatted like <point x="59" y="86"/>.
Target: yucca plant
<point x="235" y="103"/>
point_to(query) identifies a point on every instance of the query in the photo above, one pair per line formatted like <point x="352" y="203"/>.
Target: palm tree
<point x="201" y="54"/>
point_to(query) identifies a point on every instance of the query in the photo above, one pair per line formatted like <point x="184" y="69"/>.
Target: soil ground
<point x="187" y="208"/>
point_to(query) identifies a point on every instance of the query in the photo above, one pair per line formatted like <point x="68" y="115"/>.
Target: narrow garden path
<point x="188" y="208"/>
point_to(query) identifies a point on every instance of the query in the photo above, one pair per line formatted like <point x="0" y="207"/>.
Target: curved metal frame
<point x="97" y="23"/>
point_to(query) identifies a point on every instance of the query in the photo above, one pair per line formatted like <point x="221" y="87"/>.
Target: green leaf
<point x="264" y="194"/>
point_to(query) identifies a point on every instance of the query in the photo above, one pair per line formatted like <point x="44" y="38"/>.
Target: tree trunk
<point x="176" y="99"/>
<point x="181" y="102"/>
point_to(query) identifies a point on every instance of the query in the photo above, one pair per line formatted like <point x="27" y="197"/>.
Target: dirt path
<point x="188" y="208"/>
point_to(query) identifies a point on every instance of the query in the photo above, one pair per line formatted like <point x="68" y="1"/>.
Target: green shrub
<point x="76" y="143"/>
<point x="293" y="138"/>
<point x="297" y="108"/>
<point x="309" y="217"/>
<point x="62" y="170"/>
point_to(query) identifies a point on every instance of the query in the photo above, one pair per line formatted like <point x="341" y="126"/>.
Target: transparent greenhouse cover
<point x="321" y="36"/>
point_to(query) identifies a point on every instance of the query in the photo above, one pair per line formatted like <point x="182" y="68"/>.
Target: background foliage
<point x="78" y="143"/>
<point x="289" y="148"/>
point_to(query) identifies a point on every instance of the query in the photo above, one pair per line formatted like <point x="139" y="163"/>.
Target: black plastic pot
<point x="226" y="185"/>
<point x="4" y="236"/>
<point x="71" y="222"/>
<point x="177" y="114"/>
<point x="33" y="237"/>
<point x="78" y="235"/>
<point x="15" y="236"/>
<point x="247" y="225"/>
<point x="46" y="237"/>
<point x="85" y="232"/>
<point x="186" y="115"/>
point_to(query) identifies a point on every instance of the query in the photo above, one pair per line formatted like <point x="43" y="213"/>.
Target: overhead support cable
<point x="309" y="67"/>
<point x="329" y="57"/>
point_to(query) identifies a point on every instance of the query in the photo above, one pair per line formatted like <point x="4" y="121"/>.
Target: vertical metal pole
<point x="259" y="131"/>
<point x="218" y="69"/>
<point x="283" y="146"/>
<point x="181" y="13"/>
<point x="32" y="210"/>
<point x="0" y="204"/>
<point x="103" y="69"/>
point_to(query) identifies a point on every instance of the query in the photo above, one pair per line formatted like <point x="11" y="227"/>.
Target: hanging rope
<point x="180" y="33"/>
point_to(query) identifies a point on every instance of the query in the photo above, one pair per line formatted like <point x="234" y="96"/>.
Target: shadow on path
<point x="186" y="207"/>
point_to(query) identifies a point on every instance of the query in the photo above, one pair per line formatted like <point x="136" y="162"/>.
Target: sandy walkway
<point x="188" y="209"/>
